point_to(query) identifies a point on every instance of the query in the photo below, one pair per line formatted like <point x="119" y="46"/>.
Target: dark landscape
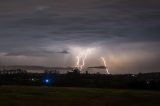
<point x="18" y="87"/>
<point x="67" y="96"/>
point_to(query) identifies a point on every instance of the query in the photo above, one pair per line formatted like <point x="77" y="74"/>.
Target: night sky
<point x="53" y="32"/>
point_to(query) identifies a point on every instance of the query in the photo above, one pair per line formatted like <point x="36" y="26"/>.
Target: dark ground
<point x="56" y="96"/>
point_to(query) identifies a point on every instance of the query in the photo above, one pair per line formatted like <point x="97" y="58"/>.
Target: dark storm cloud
<point x="107" y="19"/>
<point x="63" y="52"/>
<point x="37" y="53"/>
<point x="27" y="53"/>
<point x="29" y="27"/>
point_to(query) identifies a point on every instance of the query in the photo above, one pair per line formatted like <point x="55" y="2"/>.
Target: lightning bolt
<point x="82" y="58"/>
<point x="104" y="62"/>
<point x="78" y="62"/>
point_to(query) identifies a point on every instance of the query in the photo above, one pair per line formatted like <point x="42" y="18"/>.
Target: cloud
<point x="46" y="27"/>
<point x="63" y="52"/>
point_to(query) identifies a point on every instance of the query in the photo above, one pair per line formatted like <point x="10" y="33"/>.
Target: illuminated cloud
<point x="47" y="28"/>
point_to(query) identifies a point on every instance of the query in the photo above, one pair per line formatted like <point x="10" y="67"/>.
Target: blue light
<point x="47" y="81"/>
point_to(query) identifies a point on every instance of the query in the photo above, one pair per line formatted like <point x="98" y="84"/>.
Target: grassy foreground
<point x="55" y="96"/>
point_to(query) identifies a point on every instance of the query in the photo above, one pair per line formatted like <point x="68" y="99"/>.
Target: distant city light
<point x="47" y="81"/>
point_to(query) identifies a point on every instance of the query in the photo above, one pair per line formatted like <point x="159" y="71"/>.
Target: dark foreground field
<point x="48" y="96"/>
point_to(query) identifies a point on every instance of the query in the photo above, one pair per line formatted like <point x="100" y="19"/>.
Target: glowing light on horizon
<point x="104" y="62"/>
